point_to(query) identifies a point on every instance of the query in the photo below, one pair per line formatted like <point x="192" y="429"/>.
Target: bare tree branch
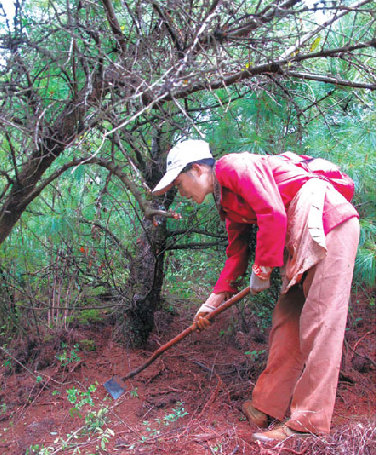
<point x="330" y="80"/>
<point x="86" y="79"/>
<point x="114" y="24"/>
<point x="195" y="245"/>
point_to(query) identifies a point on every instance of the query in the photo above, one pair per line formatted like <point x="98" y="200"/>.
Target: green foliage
<point x="68" y="357"/>
<point x="77" y="239"/>
<point x="87" y="317"/>
<point x="81" y="398"/>
<point x="154" y="429"/>
<point x="7" y="364"/>
<point x="95" y="428"/>
<point x="178" y="413"/>
<point x="351" y="144"/>
<point x="88" y="344"/>
<point x="256" y="123"/>
<point x="134" y="393"/>
<point x="94" y="421"/>
<point x="38" y="449"/>
<point x="344" y="134"/>
<point x="365" y="267"/>
<point x="254" y="355"/>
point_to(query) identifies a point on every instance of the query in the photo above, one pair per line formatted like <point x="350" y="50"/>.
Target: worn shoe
<point x="254" y="415"/>
<point x="279" y="433"/>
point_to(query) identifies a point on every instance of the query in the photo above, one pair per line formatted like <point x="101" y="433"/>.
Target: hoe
<point x="116" y="387"/>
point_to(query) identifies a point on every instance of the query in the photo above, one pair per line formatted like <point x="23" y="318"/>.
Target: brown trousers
<point x="305" y="344"/>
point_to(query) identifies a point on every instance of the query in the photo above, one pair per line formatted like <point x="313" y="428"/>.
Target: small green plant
<point x="217" y="448"/>
<point x="79" y="399"/>
<point x="88" y="345"/>
<point x="86" y="396"/>
<point x="68" y="443"/>
<point x="134" y="393"/>
<point x="152" y="431"/>
<point x="155" y="428"/>
<point x="254" y="355"/>
<point x="33" y="448"/>
<point x="94" y="421"/>
<point x="94" y="424"/>
<point x="72" y="395"/>
<point x="104" y="438"/>
<point x="66" y="358"/>
<point x="36" y="449"/>
<point x="229" y="331"/>
<point x="7" y="364"/>
<point x="357" y="321"/>
<point x="177" y="413"/>
<point x="264" y="318"/>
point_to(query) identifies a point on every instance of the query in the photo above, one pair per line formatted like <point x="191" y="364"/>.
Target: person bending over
<point x="311" y="231"/>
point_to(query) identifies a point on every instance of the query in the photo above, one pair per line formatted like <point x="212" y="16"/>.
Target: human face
<point x="195" y="184"/>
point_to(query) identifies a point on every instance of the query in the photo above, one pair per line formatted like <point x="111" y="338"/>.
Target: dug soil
<point x="187" y="402"/>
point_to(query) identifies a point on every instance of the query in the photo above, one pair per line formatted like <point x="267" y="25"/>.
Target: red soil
<point x="209" y="373"/>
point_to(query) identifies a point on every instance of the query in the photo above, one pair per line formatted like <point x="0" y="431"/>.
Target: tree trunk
<point x="66" y="127"/>
<point x="136" y="320"/>
<point x="143" y="289"/>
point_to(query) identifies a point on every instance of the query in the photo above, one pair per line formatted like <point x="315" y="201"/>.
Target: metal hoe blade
<point x="114" y="388"/>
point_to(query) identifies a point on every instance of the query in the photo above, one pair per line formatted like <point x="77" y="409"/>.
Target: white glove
<point x="205" y="308"/>
<point x="260" y="279"/>
<point x="210" y="305"/>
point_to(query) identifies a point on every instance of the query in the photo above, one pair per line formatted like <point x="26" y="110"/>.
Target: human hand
<point x="210" y="305"/>
<point x="260" y="279"/>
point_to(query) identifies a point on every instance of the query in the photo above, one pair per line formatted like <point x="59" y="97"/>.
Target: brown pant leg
<point x="275" y="386"/>
<point x="315" y="334"/>
<point x="322" y="326"/>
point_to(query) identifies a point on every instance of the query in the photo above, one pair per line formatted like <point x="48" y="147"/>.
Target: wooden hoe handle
<point x="187" y="332"/>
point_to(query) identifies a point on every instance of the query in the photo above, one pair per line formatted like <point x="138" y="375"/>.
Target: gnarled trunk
<point x="142" y="293"/>
<point x="144" y="286"/>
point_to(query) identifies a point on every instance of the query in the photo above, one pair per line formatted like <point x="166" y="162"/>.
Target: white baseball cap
<point x="178" y="157"/>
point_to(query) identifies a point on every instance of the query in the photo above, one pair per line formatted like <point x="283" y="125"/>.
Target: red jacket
<point x="257" y="189"/>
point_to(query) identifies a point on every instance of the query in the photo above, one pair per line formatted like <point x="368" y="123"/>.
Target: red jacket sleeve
<point x="253" y="180"/>
<point x="237" y="257"/>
